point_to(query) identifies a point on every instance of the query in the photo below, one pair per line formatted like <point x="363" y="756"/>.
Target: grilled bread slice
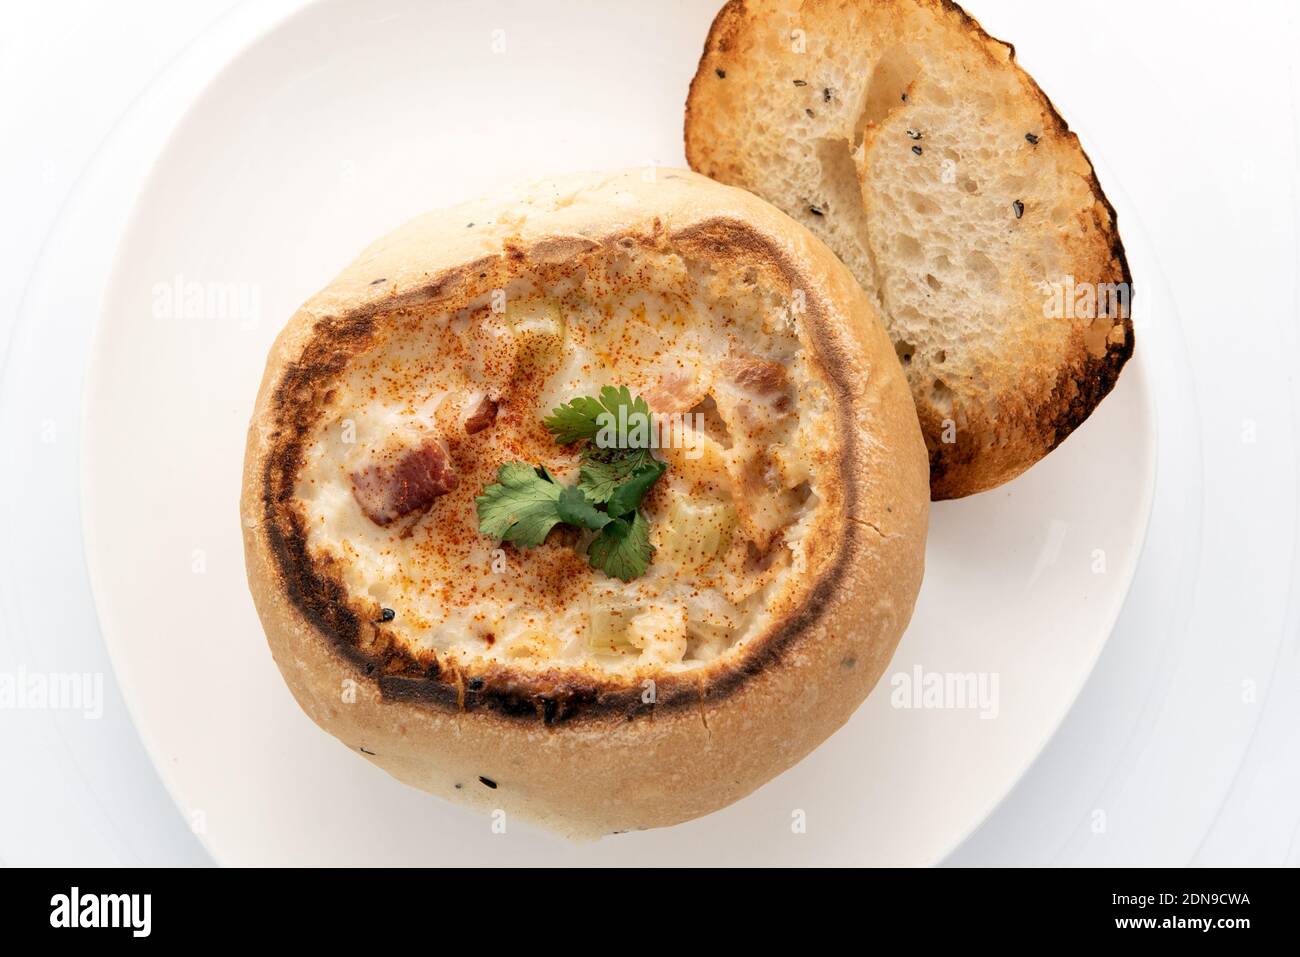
<point x="910" y="141"/>
<point x="788" y="531"/>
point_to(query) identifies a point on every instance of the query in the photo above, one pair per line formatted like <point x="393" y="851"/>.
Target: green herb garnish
<point x="616" y="420"/>
<point x="626" y="498"/>
<point x="617" y="472"/>
<point x="622" y="549"/>
<point x="522" y="506"/>
<point x="577" y="509"/>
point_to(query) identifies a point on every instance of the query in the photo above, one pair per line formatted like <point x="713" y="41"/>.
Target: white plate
<point x="336" y="126"/>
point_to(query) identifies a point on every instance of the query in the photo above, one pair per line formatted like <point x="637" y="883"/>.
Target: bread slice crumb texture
<point x="914" y="146"/>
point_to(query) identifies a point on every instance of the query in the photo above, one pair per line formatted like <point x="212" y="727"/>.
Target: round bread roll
<point x="788" y="530"/>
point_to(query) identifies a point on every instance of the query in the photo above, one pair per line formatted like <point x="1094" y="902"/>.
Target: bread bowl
<point x="915" y="146"/>
<point x="789" y="531"/>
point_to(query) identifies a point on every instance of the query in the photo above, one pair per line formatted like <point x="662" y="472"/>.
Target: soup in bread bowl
<point x="599" y="504"/>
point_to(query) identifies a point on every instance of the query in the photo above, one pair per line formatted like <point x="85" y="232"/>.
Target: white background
<point x="1191" y="112"/>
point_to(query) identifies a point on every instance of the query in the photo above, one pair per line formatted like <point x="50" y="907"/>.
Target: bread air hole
<point x="843" y="199"/>
<point x="714" y="425"/>
<point x="923" y="204"/>
<point x="909" y="247"/>
<point x="893" y="75"/>
<point x="941" y="396"/>
<point x="905" y="351"/>
<point x="843" y="222"/>
<point x="981" y="267"/>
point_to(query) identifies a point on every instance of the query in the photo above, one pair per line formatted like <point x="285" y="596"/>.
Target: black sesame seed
<point x="722" y="74"/>
<point x="800" y="82"/>
<point x="914" y="134"/>
<point x="816" y="210"/>
<point x="459" y="785"/>
<point x="810" y="112"/>
<point x="469" y="225"/>
<point x="487" y="781"/>
<point x="387" y="614"/>
<point x="1019" y="207"/>
<point x="904" y="97"/>
<point x="376" y="282"/>
<point x="916" y="150"/>
<point x="1033" y="140"/>
<point x="827" y="94"/>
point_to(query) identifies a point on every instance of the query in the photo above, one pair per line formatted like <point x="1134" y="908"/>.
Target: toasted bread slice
<point x="788" y="531"/>
<point x="910" y="141"/>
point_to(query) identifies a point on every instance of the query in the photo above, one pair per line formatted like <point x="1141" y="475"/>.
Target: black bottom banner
<point x="335" y="907"/>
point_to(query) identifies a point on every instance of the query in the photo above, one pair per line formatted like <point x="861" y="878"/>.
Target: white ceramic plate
<point x="336" y="126"/>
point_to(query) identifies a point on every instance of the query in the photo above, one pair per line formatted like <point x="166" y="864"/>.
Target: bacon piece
<point x="758" y="498"/>
<point x="403" y="479"/>
<point x="755" y="375"/>
<point x="675" y="391"/>
<point x="482" y="417"/>
<point x="754" y="394"/>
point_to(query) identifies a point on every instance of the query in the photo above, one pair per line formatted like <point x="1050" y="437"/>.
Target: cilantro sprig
<point x="617" y="472"/>
<point x="614" y="420"/>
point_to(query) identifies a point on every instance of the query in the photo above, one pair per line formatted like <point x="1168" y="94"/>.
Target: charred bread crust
<point x="537" y="735"/>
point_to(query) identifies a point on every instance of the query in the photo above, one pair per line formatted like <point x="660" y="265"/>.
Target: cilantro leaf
<point x="521" y="506"/>
<point x="627" y="459"/>
<point x="600" y="473"/>
<point x="576" y="509"/>
<point x="622" y="550"/>
<point x="584" y="419"/>
<point x="627" y="496"/>
<point x="574" y="421"/>
<point x="599" y="479"/>
<point x="603" y="470"/>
